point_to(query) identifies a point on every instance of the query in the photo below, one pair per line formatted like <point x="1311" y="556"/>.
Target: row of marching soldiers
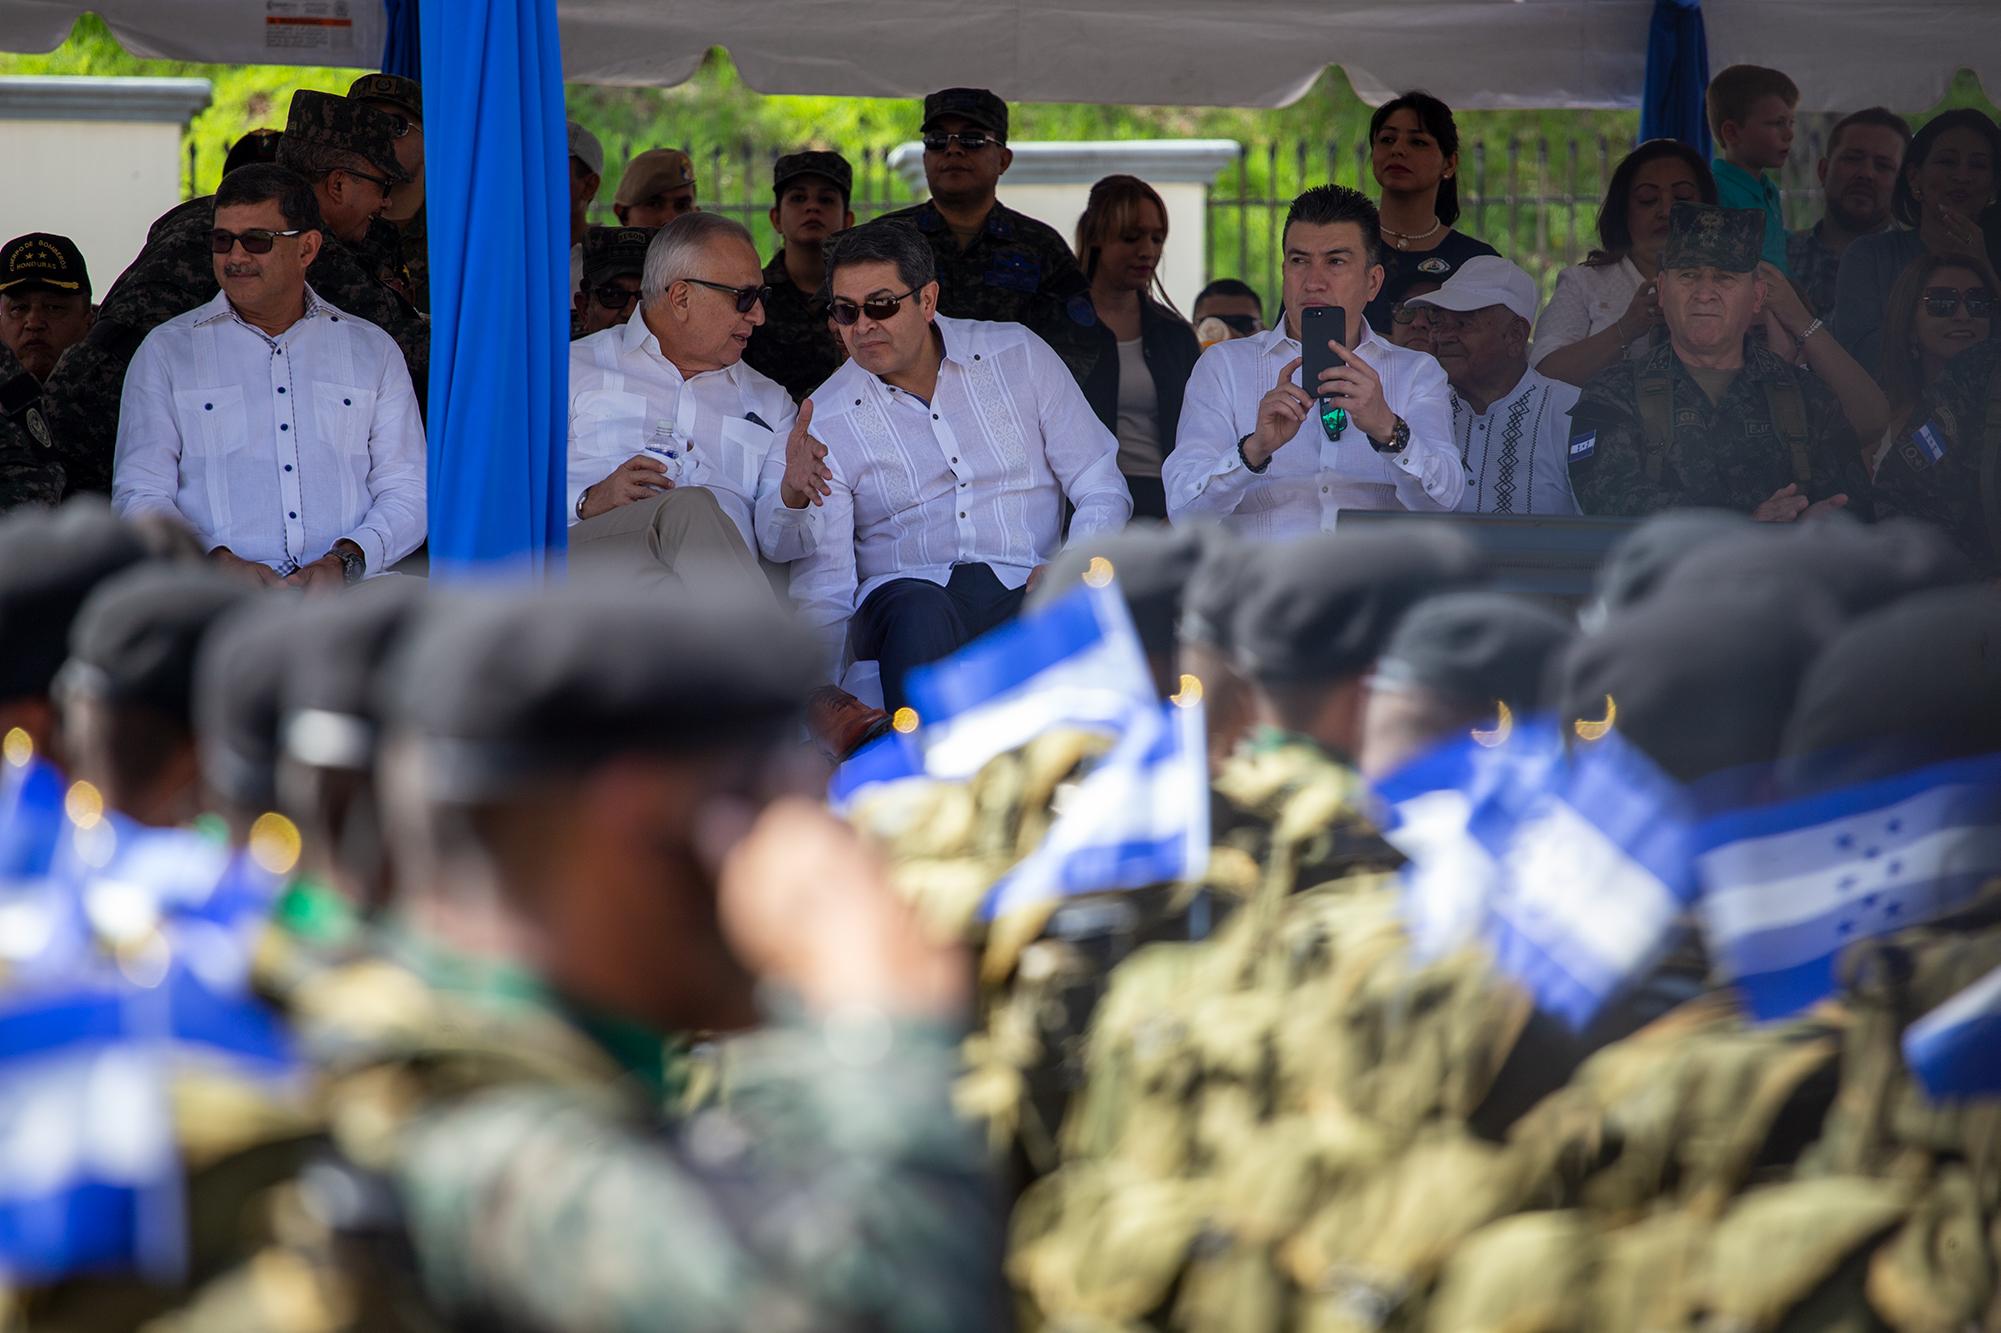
<point x="489" y="957"/>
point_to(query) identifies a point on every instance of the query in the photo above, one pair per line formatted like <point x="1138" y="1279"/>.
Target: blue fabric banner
<point x="1672" y="106"/>
<point x="401" y="46"/>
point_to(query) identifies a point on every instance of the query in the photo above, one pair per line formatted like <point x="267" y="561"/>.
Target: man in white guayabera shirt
<point x="282" y="430"/>
<point x="1266" y="456"/>
<point x="952" y="446"/>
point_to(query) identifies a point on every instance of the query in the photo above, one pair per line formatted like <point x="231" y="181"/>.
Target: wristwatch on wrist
<point x="1399" y="437"/>
<point x="352" y="566"/>
<point x="1245" y="458"/>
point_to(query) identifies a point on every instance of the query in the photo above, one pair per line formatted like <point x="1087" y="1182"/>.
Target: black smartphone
<point x="1320" y="325"/>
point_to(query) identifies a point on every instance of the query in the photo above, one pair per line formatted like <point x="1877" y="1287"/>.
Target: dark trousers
<point x="908" y="622"/>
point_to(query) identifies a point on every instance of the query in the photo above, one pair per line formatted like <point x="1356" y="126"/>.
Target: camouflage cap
<point x="655" y="171"/>
<point x="830" y="165"/>
<point x="327" y="121"/>
<point x="406" y="95"/>
<point x="43" y="259"/>
<point x="1706" y="236"/>
<point x="974" y="105"/>
<point x="611" y="252"/>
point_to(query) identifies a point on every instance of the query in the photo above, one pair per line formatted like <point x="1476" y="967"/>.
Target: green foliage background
<point x="1531" y="180"/>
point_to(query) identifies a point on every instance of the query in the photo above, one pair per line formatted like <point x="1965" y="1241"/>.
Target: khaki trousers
<point x="681" y="539"/>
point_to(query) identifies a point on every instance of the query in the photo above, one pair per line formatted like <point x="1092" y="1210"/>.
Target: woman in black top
<point x="1414" y="151"/>
<point x="1148" y="348"/>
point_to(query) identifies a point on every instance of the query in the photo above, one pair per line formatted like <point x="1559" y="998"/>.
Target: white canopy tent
<point x="1473" y="53"/>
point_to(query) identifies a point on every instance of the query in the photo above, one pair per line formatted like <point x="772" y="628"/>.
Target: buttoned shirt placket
<point x="286" y="445"/>
<point x="946" y="441"/>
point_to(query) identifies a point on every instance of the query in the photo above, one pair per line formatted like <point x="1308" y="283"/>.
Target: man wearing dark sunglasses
<point x="347" y="152"/>
<point x="613" y="258"/>
<point x="992" y="262"/>
<point x="398" y="237"/>
<point x="279" y="428"/>
<point x="953" y="445"/>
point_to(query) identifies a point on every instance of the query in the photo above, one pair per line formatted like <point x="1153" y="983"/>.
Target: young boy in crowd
<point x="1751" y="115"/>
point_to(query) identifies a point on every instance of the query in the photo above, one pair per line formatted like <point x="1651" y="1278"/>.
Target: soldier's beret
<point x="502" y="689"/>
<point x="49" y="562"/>
<point x="830" y="165"/>
<point x="136" y="637"/>
<point x="1700" y="683"/>
<point x="332" y="702"/>
<point x="406" y="95"/>
<point x="240" y="673"/>
<point x="1708" y="236"/>
<point x="1151" y="564"/>
<point x="611" y="252"/>
<point x="655" y="171"/>
<point x="1321" y="608"/>
<point x="327" y="121"/>
<point x="1859" y="566"/>
<point x="1477" y="647"/>
<point x="975" y="105"/>
<point x="1215" y="586"/>
<point x="1915" y="682"/>
<point x="1637" y="563"/>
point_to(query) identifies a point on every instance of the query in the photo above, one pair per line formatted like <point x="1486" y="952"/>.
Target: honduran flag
<point x="1955" y="1050"/>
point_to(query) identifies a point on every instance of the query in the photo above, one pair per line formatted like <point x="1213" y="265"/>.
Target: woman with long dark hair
<point x="1149" y="349"/>
<point x="1414" y="153"/>
<point x="1607" y="307"/>
<point x="1941" y="305"/>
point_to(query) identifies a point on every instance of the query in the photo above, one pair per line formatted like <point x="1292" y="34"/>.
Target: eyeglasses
<point x="381" y="183"/>
<point x="1403" y="312"/>
<point x="972" y="143"/>
<point x="254" y="240"/>
<point x="1942" y="302"/>
<point x="614" y="297"/>
<point x="746" y="297"/>
<point x="878" y="308"/>
<point x="1241" y="325"/>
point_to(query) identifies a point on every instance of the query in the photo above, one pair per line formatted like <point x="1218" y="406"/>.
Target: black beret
<point x="1215" y="586"/>
<point x="1322" y="607"/>
<point x="1700" y="683"/>
<point x="1152" y="563"/>
<point x="1477" y="647"/>
<point x="332" y="699"/>
<point x="1859" y="566"/>
<point x="49" y="562"/>
<point x="503" y="688"/>
<point x="1638" y="562"/>
<point x="1916" y="682"/>
<point x="240" y="673"/>
<point x="135" y="638"/>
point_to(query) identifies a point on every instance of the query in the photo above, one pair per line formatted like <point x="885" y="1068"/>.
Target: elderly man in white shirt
<point x="1253" y="449"/>
<point x="673" y="440"/>
<point x="282" y="430"/>
<point x="952" y="445"/>
<point x="1511" y="424"/>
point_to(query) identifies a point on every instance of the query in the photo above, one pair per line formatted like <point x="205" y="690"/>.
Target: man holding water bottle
<point x="673" y="439"/>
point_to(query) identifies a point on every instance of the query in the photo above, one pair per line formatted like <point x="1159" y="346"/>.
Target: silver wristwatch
<point x="352" y="566"/>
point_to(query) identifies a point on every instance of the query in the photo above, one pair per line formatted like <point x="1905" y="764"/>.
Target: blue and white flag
<point x="31" y="819"/>
<point x="1955" y="1050"/>
<point x="891" y="757"/>
<point x="1141" y="817"/>
<point x="1595" y="873"/>
<point x="1786" y="888"/>
<point x="1076" y="662"/>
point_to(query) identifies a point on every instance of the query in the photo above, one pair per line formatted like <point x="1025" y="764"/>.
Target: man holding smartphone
<point x="1271" y="458"/>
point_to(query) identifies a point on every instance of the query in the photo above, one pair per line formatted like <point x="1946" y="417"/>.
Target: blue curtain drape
<point x="401" y="45"/>
<point x="497" y="210"/>
<point x="1677" y="76"/>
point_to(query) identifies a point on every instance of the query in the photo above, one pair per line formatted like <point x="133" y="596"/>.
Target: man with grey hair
<point x="673" y="441"/>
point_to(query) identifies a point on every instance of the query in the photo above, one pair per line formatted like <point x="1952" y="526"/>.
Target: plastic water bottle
<point x="664" y="445"/>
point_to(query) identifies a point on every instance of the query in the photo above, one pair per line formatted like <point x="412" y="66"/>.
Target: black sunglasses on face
<point x="1241" y="325"/>
<point x="381" y="183"/>
<point x="746" y="297"/>
<point x="1941" y="302"/>
<point x="972" y="142"/>
<point x="614" y="297"/>
<point x="878" y="308"/>
<point x="254" y="240"/>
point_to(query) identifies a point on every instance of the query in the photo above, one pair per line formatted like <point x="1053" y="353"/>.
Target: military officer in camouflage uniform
<point x="810" y="195"/>
<point x="995" y="263"/>
<point x="31" y="471"/>
<point x="399" y="236"/>
<point x="1710" y="419"/>
<point x="1948" y="471"/>
<point x="613" y="258"/>
<point x="348" y="152"/>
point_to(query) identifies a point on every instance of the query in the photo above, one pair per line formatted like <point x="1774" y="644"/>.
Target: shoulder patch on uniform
<point x="38" y="427"/>
<point x="1931" y="439"/>
<point x="1082" y="312"/>
<point x="1583" y="445"/>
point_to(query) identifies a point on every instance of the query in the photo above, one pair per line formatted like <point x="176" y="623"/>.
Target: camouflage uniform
<point x="793" y="346"/>
<point x="175" y="272"/>
<point x="31" y="473"/>
<point x="1948" y="472"/>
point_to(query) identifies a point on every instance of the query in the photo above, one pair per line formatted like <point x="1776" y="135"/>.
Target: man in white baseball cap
<point x="1512" y="424"/>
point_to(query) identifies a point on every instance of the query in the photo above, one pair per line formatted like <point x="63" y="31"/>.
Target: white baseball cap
<point x="584" y="147"/>
<point x="1482" y="281"/>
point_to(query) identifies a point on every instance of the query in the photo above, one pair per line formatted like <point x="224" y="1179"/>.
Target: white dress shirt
<point x="1311" y="478"/>
<point x="976" y="476"/>
<point x="1589" y="299"/>
<point x="1517" y="452"/>
<point x="274" y="447"/>
<point x="728" y="427"/>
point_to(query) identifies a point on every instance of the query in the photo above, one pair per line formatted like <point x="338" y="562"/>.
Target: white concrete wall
<point x="96" y="160"/>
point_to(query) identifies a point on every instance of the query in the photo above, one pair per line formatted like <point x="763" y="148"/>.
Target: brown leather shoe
<point x="841" y="723"/>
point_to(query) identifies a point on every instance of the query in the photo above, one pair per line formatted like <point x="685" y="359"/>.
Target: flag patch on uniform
<point x="1931" y="440"/>
<point x="1583" y="446"/>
